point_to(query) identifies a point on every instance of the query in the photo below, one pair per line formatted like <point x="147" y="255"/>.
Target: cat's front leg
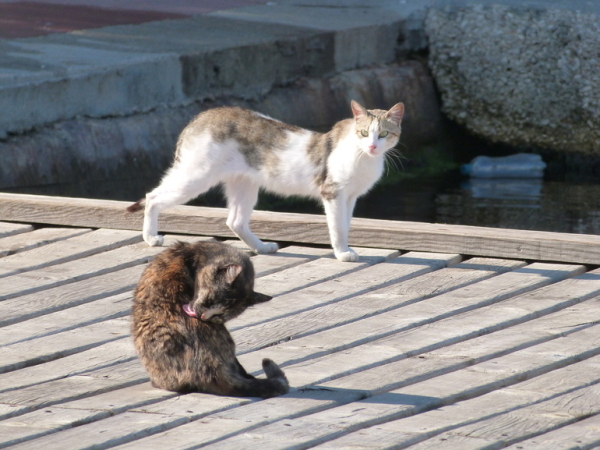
<point x="336" y="211"/>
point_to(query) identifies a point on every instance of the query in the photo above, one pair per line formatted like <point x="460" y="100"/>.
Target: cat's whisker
<point x="393" y="159"/>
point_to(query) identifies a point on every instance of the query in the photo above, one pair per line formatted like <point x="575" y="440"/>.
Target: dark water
<point x="524" y="204"/>
<point x="527" y="204"/>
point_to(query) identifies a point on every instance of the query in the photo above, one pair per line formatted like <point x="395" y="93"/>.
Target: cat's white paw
<point x="154" y="241"/>
<point x="267" y="247"/>
<point x="349" y="256"/>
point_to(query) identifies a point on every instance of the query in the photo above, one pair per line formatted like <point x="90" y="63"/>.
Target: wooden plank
<point x="438" y="337"/>
<point x="286" y="258"/>
<point x="582" y="434"/>
<point x="81" y="269"/>
<point x="505" y="243"/>
<point x="327" y="279"/>
<point x="317" y="271"/>
<point x="316" y="307"/>
<point x="230" y="421"/>
<point x="36" y="350"/>
<point x="76" y="386"/>
<point x="42" y="422"/>
<point x="408" y="431"/>
<point x="520" y="423"/>
<point x="110" y="433"/>
<point x="139" y="396"/>
<point x="207" y="426"/>
<point x="215" y="427"/>
<point x="294" y="399"/>
<point x="137" y="399"/>
<point x="422" y="361"/>
<point x="50" y="300"/>
<point x="71" y="249"/>
<point x="60" y="274"/>
<point x="462" y="384"/>
<point x="111" y="354"/>
<point x="210" y="427"/>
<point x="46" y="348"/>
<point x="78" y="316"/>
<point x="11" y="229"/>
<point x="98" y="310"/>
<point x="427" y="311"/>
<point x="457" y="340"/>
<point x="79" y="412"/>
<point x="510" y="281"/>
<point x="267" y="424"/>
<point x="67" y="296"/>
<point x="37" y="238"/>
<point x="419" y="261"/>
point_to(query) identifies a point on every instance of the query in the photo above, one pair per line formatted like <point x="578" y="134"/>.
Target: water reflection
<point x="522" y="204"/>
<point x="524" y="192"/>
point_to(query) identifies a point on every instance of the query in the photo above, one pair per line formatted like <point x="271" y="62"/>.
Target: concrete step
<point x="243" y="52"/>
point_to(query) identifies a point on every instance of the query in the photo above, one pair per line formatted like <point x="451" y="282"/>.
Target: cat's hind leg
<point x="242" y="194"/>
<point x="175" y="189"/>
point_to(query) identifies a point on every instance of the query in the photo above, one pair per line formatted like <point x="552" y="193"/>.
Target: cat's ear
<point x="260" y="298"/>
<point x="357" y="110"/>
<point x="231" y="272"/>
<point x="396" y="113"/>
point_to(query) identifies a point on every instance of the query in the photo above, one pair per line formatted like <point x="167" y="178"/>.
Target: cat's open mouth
<point x="187" y="308"/>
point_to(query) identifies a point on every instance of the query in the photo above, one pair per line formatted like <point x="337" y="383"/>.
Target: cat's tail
<point x="276" y="376"/>
<point x="134" y="207"/>
<point x="243" y="384"/>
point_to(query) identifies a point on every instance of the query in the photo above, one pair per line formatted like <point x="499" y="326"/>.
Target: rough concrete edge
<point x="154" y="80"/>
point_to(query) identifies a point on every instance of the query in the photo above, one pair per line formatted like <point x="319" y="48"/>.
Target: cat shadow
<point x="343" y="395"/>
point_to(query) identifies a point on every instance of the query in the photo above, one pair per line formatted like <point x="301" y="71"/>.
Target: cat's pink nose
<point x="372" y="147"/>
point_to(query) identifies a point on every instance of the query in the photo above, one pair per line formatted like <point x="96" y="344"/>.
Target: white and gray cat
<point x="246" y="151"/>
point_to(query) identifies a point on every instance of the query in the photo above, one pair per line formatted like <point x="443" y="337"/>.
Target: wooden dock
<point x="439" y="337"/>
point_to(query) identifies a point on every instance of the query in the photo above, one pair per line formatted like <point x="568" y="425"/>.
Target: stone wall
<point x="132" y="152"/>
<point x="523" y="76"/>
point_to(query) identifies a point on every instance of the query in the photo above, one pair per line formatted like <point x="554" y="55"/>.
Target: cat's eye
<point x="365" y="133"/>
<point x="383" y="134"/>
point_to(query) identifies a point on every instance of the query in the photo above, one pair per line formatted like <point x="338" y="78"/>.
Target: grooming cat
<point x="179" y="308"/>
<point x="247" y="151"/>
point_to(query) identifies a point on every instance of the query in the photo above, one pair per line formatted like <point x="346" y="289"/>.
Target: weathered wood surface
<point x="402" y="349"/>
<point x="68" y="250"/>
<point x="37" y="238"/>
<point x="10" y="229"/>
<point x="303" y="228"/>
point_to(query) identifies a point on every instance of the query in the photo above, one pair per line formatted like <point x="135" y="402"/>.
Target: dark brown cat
<point x="180" y="305"/>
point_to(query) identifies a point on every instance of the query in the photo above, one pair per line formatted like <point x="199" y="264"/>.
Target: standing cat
<point x="247" y="151"/>
<point x="179" y="308"/>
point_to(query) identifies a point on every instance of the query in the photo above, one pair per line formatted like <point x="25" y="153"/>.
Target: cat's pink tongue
<point x="188" y="310"/>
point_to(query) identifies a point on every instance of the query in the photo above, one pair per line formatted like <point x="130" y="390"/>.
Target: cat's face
<point x="376" y="130"/>
<point x="223" y="291"/>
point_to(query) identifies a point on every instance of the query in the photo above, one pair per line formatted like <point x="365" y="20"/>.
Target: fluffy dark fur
<point x="181" y="303"/>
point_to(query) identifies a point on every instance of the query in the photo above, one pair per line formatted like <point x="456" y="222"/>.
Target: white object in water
<point x="520" y="165"/>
